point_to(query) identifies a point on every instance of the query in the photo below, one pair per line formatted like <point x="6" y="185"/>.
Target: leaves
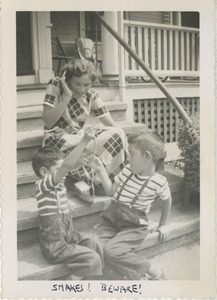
<point x="189" y="144"/>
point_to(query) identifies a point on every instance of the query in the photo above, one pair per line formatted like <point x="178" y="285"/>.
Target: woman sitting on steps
<point x="68" y="102"/>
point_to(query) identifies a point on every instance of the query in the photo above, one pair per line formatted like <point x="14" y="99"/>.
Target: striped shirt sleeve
<point x="46" y="184"/>
<point x="122" y="175"/>
<point x="163" y="190"/>
<point x="98" y="107"/>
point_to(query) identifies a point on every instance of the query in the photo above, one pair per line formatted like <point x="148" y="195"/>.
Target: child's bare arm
<point x="108" y="186"/>
<point x="165" y="212"/>
<point x="52" y="114"/>
<point x="74" y="155"/>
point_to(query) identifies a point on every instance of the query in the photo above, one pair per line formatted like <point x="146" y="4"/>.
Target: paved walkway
<point x="181" y="263"/>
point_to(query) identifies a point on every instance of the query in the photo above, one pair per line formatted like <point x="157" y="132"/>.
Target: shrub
<point x="189" y="144"/>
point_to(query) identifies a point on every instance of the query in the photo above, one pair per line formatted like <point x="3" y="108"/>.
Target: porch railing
<point x="168" y="50"/>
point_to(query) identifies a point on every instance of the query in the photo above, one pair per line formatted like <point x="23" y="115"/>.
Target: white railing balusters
<point x="169" y="50"/>
<point x="187" y="50"/>
<point x="170" y="40"/>
<point x="152" y="47"/>
<point x="176" y="52"/>
<point x="133" y="46"/>
<point x="165" y="53"/>
<point x="159" y="47"/>
<point x="139" y="41"/>
<point x="182" y="48"/>
<point x="146" y="46"/>
<point x="126" y="56"/>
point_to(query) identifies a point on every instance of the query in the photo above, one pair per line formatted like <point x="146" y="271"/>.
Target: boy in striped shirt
<point x="146" y="149"/>
<point x="59" y="242"/>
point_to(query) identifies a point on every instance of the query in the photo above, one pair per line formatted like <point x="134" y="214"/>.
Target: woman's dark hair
<point x="79" y="67"/>
<point x="45" y="157"/>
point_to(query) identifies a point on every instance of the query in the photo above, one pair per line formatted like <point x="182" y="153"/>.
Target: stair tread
<point x="32" y="265"/>
<point x="25" y="174"/>
<point x="27" y="213"/>
<point x="24" y="137"/>
<point x="35" y="111"/>
<point x="31" y="138"/>
<point x="27" y="112"/>
<point x="27" y="207"/>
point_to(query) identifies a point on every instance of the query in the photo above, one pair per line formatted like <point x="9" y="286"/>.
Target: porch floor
<point x="115" y="83"/>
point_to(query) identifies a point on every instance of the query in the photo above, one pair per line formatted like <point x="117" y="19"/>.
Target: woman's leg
<point x="110" y="146"/>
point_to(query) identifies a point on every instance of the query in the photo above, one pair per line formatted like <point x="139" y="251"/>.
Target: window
<point x="24" y="45"/>
<point x="92" y="27"/>
<point x="190" y="19"/>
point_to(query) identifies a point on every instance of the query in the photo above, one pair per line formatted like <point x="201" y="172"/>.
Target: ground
<point x="181" y="263"/>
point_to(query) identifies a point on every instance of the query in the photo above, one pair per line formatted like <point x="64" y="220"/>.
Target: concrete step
<point x="29" y="141"/>
<point x="25" y="175"/>
<point x="31" y="95"/>
<point x="183" y="228"/>
<point x="84" y="213"/>
<point x="30" y="117"/>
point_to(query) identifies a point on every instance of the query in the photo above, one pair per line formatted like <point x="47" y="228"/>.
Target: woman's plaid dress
<point x="109" y="144"/>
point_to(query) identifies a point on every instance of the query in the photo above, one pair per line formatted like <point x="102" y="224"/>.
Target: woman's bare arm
<point x="108" y="121"/>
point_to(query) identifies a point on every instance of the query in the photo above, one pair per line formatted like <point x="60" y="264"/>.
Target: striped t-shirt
<point x="156" y="187"/>
<point x="51" y="197"/>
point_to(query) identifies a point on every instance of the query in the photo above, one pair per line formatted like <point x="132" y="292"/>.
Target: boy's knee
<point x="94" y="263"/>
<point x="111" y="252"/>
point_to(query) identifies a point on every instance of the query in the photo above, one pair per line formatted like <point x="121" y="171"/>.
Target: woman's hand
<point x="89" y="133"/>
<point x="68" y="93"/>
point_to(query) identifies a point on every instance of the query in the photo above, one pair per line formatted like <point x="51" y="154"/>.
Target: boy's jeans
<point x="60" y="243"/>
<point x="120" y="249"/>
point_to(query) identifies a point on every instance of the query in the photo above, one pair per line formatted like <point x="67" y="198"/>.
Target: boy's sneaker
<point x="148" y="277"/>
<point x="145" y="277"/>
<point x="159" y="277"/>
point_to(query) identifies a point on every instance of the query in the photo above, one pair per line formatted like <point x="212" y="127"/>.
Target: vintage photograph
<point x="108" y="147"/>
<point x="107" y="150"/>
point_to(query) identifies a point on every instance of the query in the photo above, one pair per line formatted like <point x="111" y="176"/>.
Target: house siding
<point x="149" y="16"/>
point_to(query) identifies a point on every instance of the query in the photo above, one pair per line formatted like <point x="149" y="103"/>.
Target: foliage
<point x="174" y="167"/>
<point x="189" y="144"/>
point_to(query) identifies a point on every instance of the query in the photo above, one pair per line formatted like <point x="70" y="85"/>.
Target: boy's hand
<point x="89" y="133"/>
<point x="162" y="232"/>
<point x="66" y="89"/>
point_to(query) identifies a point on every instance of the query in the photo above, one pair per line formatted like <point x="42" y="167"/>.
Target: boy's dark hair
<point x="148" y="140"/>
<point x="45" y="157"/>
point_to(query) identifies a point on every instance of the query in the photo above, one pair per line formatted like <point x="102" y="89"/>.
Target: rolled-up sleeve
<point x="99" y="109"/>
<point x="52" y="94"/>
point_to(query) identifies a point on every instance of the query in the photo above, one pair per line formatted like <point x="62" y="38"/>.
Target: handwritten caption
<point x="104" y="287"/>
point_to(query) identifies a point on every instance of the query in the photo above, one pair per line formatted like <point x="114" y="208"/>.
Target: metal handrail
<point x="141" y="63"/>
